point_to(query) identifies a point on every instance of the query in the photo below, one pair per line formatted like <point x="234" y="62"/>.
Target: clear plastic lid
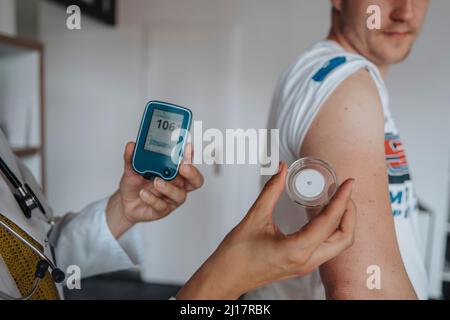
<point x="311" y="182"/>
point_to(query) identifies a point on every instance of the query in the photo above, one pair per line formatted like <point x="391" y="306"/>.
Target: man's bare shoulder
<point x="352" y="116"/>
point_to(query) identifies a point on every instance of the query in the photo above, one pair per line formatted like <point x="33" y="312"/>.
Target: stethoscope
<point x="28" y="202"/>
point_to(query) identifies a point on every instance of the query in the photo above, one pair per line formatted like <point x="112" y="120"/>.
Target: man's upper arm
<point x="349" y="133"/>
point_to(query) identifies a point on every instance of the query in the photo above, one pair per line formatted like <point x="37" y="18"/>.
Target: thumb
<point x="128" y="154"/>
<point x="188" y="153"/>
<point x="271" y="192"/>
<point x="324" y="225"/>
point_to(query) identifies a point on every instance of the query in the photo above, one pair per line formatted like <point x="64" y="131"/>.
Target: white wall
<point x="222" y="59"/>
<point x="8" y="17"/>
<point x="93" y="100"/>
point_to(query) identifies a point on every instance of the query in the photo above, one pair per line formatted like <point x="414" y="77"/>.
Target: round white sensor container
<point x="311" y="182"/>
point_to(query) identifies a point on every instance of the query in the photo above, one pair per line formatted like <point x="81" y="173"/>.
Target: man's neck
<point x="342" y="41"/>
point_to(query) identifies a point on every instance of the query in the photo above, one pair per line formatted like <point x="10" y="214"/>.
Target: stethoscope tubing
<point x="28" y="296"/>
<point x="10" y="175"/>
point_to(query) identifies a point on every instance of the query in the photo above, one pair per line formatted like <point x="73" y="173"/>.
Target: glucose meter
<point x="161" y="140"/>
<point x="311" y="182"/>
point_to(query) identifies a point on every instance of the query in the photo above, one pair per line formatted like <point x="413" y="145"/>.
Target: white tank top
<point x="302" y="90"/>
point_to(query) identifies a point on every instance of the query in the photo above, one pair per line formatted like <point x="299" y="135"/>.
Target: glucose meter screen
<point x="162" y="126"/>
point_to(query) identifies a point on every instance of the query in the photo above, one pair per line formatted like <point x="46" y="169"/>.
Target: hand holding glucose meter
<point x="311" y="182"/>
<point x="161" y="140"/>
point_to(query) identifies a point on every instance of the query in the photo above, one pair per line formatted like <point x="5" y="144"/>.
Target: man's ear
<point x="337" y="4"/>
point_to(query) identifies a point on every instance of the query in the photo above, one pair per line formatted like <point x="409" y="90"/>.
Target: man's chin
<point x="395" y="56"/>
<point x="387" y="50"/>
<point x="399" y="58"/>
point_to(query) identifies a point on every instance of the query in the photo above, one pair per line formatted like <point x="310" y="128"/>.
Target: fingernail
<point x="160" y="183"/>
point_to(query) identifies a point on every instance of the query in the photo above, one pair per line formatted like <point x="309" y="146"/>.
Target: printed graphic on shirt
<point x="397" y="164"/>
<point x="403" y="200"/>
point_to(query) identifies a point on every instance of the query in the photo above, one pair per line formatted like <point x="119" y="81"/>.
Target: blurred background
<point x="80" y="95"/>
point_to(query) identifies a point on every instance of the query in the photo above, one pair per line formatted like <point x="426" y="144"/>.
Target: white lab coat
<point x="82" y="239"/>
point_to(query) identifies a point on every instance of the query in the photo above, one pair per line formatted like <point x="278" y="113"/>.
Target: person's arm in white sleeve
<point x="103" y="238"/>
<point x="84" y="239"/>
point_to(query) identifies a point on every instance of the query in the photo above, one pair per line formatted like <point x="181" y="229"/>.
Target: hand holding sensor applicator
<point x="311" y="183"/>
<point x="161" y="140"/>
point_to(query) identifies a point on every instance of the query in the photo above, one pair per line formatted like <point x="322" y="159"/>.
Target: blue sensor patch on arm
<point x="330" y="66"/>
